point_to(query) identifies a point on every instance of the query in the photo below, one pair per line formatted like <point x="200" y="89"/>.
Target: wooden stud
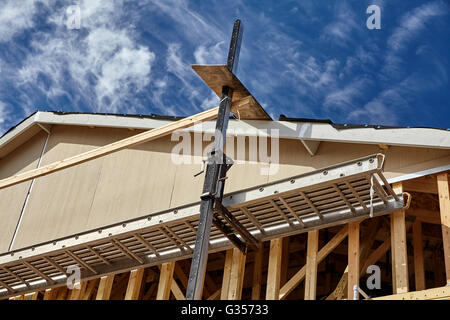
<point x="150" y="291"/>
<point x="215" y="295"/>
<point x="31" y="296"/>
<point x="311" y="265"/>
<point x="444" y="205"/>
<point x="165" y="281"/>
<point x="323" y="253"/>
<point x="353" y="258"/>
<point x="134" y="284"/>
<point x="257" y="273"/>
<point x="62" y="293"/>
<point x="274" y="269"/>
<point x="51" y="294"/>
<point x="226" y="274"/>
<point x="90" y="289"/>
<point x="105" y="287"/>
<point x="77" y="293"/>
<point x="237" y="275"/>
<point x="419" y="270"/>
<point x="400" y="281"/>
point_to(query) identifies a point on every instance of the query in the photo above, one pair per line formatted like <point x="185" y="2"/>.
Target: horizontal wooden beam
<point x="442" y="293"/>
<point x="110" y="148"/>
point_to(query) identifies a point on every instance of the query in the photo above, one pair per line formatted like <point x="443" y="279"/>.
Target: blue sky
<point x="310" y="59"/>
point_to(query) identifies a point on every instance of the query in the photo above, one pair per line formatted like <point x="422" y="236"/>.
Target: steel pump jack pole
<point x="217" y="165"/>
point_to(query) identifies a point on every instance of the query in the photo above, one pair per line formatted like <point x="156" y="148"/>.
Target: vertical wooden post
<point x="165" y="281"/>
<point x="284" y="261"/>
<point x="311" y="265"/>
<point x="77" y="294"/>
<point x="62" y="293"/>
<point x="33" y="296"/>
<point x="419" y="270"/>
<point x="105" y="287"/>
<point x="257" y="273"/>
<point x="226" y="274"/>
<point x="274" y="270"/>
<point x="353" y="258"/>
<point x="50" y="294"/>
<point x="398" y="248"/>
<point x="444" y="204"/>
<point x="237" y="275"/>
<point x="134" y="284"/>
<point x="89" y="289"/>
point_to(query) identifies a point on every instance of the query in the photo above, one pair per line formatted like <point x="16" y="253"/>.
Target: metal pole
<point x="213" y="173"/>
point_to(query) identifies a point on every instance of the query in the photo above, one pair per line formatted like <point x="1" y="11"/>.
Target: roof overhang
<point x="309" y="133"/>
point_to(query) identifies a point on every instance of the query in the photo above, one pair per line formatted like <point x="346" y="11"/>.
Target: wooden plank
<point x="419" y="269"/>
<point x="257" y="273"/>
<point x="62" y="293"/>
<point x="31" y="296"/>
<point x="444" y="205"/>
<point x="90" y="289"/>
<point x="105" y="287"/>
<point x="311" y="265"/>
<point x="50" y="294"/>
<point x="226" y="274"/>
<point x="165" y="281"/>
<point x="77" y="294"/>
<point x="274" y="269"/>
<point x="237" y="275"/>
<point x="377" y="254"/>
<point x="215" y="295"/>
<point x="400" y="281"/>
<point x="134" y="284"/>
<point x="442" y="293"/>
<point x="323" y="253"/>
<point x="217" y="76"/>
<point x="425" y="215"/>
<point x="110" y="148"/>
<point x="175" y="288"/>
<point x="353" y="258"/>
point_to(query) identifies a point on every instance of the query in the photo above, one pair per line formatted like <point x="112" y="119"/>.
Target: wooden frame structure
<point x="148" y="257"/>
<point x="322" y="198"/>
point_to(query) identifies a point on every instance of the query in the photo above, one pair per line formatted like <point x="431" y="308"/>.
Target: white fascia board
<point x="99" y="120"/>
<point x="306" y="131"/>
<point x="23" y="126"/>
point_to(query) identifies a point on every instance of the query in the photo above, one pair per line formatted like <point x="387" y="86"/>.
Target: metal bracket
<point x="221" y="212"/>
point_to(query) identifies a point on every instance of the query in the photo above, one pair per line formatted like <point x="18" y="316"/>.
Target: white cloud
<point x="413" y="22"/>
<point x="210" y="102"/>
<point x="343" y="98"/>
<point x="106" y="67"/>
<point x="15" y="17"/>
<point x="410" y="26"/>
<point x="4" y="115"/>
<point x="339" y="30"/>
<point x="213" y="54"/>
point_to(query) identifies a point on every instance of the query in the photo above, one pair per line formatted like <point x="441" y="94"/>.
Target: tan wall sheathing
<point x="12" y="199"/>
<point x="142" y="180"/>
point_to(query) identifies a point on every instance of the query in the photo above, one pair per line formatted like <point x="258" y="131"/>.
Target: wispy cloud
<point x="340" y="29"/>
<point x="4" y="115"/>
<point x="15" y="17"/>
<point x="100" y="66"/>
<point x="411" y="24"/>
<point x="344" y="98"/>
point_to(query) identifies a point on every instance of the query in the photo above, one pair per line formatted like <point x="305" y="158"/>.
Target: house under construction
<point x="343" y="203"/>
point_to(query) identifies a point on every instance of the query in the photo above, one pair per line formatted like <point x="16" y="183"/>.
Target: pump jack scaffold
<point x="211" y="209"/>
